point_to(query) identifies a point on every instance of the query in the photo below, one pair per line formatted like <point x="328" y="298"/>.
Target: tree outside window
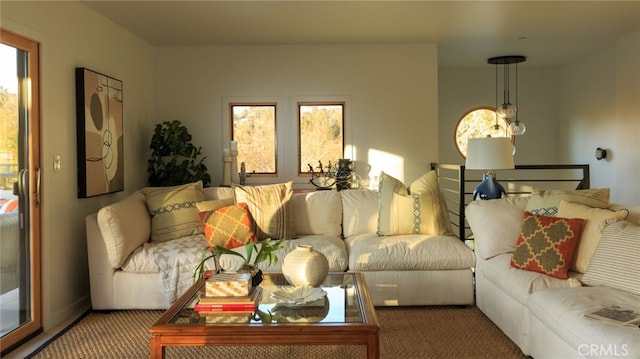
<point x="480" y="122"/>
<point x="254" y="128"/>
<point x="321" y="134"/>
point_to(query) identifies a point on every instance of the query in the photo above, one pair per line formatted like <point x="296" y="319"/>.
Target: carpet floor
<point x="405" y="332"/>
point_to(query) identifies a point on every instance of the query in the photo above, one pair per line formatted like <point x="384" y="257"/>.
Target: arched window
<point x="480" y="122"/>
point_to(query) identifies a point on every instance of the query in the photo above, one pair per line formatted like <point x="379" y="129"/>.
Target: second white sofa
<point x="544" y="315"/>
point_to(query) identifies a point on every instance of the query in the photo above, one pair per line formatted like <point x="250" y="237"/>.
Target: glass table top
<point x="340" y="305"/>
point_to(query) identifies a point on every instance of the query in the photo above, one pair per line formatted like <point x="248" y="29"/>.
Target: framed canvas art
<point x="99" y="101"/>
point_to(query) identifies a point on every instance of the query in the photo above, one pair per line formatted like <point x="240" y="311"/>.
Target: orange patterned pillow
<point x="229" y="227"/>
<point x="546" y="244"/>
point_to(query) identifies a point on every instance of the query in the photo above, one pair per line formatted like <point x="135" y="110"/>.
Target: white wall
<point x="461" y="90"/>
<point x="600" y="94"/>
<point x="77" y="37"/>
<point x="392" y="91"/>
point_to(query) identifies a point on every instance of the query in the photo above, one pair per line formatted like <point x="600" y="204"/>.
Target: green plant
<point x="174" y="159"/>
<point x="265" y="252"/>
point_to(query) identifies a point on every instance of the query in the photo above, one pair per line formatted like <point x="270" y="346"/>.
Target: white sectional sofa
<point x="413" y="269"/>
<point x="544" y="315"/>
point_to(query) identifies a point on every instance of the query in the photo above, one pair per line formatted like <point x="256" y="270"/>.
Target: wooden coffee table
<point x="347" y="317"/>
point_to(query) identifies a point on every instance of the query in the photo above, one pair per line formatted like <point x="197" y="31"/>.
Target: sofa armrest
<point x="101" y="272"/>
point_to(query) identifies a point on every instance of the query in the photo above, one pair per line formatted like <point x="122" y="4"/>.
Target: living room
<point x="404" y="107"/>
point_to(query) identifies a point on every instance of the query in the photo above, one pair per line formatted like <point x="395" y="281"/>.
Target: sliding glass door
<point x="20" y="300"/>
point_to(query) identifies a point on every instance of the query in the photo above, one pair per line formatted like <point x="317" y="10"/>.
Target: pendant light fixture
<point x="507" y="110"/>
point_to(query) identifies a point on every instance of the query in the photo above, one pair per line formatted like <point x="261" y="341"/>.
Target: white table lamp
<point x="489" y="153"/>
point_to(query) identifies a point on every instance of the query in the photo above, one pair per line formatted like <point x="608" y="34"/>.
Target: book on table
<point x="228" y="285"/>
<point x="227" y="318"/>
<point x="227" y="308"/>
<point x="243" y="304"/>
<point x="251" y="298"/>
<point x="617" y="315"/>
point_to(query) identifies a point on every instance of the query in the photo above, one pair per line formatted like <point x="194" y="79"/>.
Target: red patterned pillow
<point x="546" y="244"/>
<point x="229" y="227"/>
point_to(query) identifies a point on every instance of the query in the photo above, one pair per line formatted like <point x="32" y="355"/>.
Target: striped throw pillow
<point x="269" y="206"/>
<point x="615" y="262"/>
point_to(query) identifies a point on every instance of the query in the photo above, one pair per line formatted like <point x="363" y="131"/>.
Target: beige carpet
<point x="405" y="332"/>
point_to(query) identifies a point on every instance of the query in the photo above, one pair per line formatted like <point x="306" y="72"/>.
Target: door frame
<point x="34" y="326"/>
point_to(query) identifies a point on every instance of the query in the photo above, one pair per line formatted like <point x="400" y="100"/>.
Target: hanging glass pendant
<point x="517" y="128"/>
<point x="506" y="110"/>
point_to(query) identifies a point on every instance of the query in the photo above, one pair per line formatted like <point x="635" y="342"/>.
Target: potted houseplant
<point x="174" y="159"/>
<point x="265" y="252"/>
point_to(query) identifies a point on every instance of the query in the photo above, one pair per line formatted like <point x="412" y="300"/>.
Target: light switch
<point x="57" y="163"/>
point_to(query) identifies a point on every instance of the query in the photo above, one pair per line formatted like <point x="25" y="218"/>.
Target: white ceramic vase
<point x="305" y="266"/>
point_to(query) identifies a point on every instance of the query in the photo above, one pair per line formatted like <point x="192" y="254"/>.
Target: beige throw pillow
<point x="213" y="204"/>
<point x="546" y="203"/>
<point x="496" y="224"/>
<point x="125" y="226"/>
<point x="270" y="207"/>
<point x="402" y="212"/>
<point x="173" y="210"/>
<point x="595" y="221"/>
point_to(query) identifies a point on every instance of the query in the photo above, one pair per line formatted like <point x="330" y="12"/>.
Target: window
<point x="479" y="122"/>
<point x="254" y="128"/>
<point x="321" y="134"/>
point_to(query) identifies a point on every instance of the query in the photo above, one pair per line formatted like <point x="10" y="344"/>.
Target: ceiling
<point x="549" y="33"/>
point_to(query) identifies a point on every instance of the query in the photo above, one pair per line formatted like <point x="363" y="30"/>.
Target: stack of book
<point x="228" y="298"/>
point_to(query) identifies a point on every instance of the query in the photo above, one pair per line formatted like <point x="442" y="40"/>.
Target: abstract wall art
<point x="99" y="107"/>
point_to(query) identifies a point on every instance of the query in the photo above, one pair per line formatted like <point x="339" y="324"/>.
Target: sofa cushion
<point x="359" y="211"/>
<point x="125" y="226"/>
<point x="495" y="224"/>
<point x="615" y="262"/>
<point x="331" y="246"/>
<point x="270" y="207"/>
<point x="228" y="227"/>
<point x="173" y="210"/>
<point x="318" y="212"/>
<point x="562" y="312"/>
<point x="369" y="252"/>
<point x="518" y="283"/>
<point x="546" y="202"/>
<point x="546" y="244"/>
<point x="402" y="212"/>
<point x="595" y="219"/>
<point x="8" y="205"/>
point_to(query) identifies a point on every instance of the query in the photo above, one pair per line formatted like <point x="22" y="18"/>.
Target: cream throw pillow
<point x="173" y="210"/>
<point x="428" y="183"/>
<point x="270" y="207"/>
<point x="402" y="212"/>
<point x="546" y="203"/>
<point x="595" y="221"/>
<point x="125" y="226"/>
<point x="496" y="224"/>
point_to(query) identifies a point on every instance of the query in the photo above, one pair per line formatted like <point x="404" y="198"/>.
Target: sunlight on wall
<point x="384" y="161"/>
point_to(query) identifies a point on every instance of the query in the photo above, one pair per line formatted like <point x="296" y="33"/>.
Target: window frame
<point x="298" y="104"/>
<point x="229" y="104"/>
<point x="507" y="121"/>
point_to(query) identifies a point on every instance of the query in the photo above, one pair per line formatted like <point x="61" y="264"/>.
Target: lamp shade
<point x="489" y="153"/>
